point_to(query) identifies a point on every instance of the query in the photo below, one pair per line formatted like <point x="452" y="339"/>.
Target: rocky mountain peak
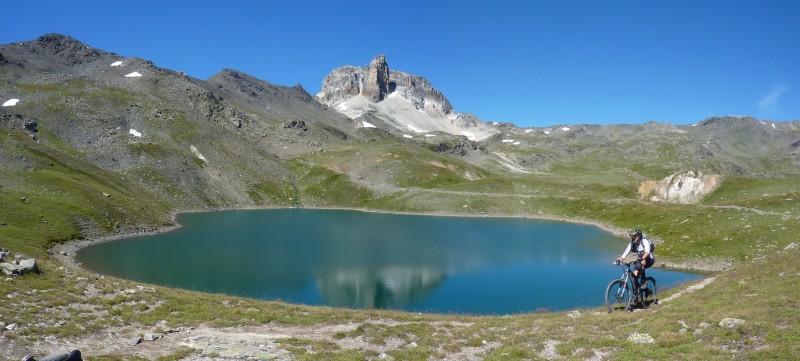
<point x="376" y="82"/>
<point x="67" y="47"/>
<point x="405" y="101"/>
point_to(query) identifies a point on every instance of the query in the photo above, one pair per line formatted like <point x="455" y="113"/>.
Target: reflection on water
<point x="383" y="288"/>
<point x="372" y="260"/>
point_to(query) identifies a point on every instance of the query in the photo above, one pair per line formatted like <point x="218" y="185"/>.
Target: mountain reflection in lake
<point x="375" y="260"/>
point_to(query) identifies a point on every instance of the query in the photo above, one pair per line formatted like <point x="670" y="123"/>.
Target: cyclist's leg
<point x="640" y="276"/>
<point x="648" y="262"/>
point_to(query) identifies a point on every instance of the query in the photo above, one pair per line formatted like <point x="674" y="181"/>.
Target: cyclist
<point x="642" y="246"/>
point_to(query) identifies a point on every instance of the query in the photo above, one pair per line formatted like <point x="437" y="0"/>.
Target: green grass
<point x="53" y="195"/>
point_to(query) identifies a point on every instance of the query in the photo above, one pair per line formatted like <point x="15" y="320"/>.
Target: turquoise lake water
<point x="355" y="259"/>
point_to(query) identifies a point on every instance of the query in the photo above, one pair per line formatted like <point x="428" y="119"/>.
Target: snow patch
<point x="467" y="134"/>
<point x="11" y="102"/>
<point x="367" y="124"/>
<point x="546" y="132"/>
<point x="135" y="133"/>
<point x="398" y="112"/>
<point x="508" y="140"/>
<point x="528" y="130"/>
<point x="565" y="129"/>
<point x="135" y="74"/>
<point x="414" y="129"/>
<point x="773" y="125"/>
<point x="116" y="63"/>
<point x="429" y="135"/>
<point x="408" y="136"/>
<point x="516" y="143"/>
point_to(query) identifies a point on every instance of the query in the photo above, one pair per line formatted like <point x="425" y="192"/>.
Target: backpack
<point x="652" y="246"/>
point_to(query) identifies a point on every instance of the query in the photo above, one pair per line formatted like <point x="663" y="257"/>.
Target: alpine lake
<point x="363" y="260"/>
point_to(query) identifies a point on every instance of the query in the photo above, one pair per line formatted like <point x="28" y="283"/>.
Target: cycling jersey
<point x="644" y="245"/>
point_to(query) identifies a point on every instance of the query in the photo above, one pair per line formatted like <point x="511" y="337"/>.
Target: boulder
<point x="19" y="267"/>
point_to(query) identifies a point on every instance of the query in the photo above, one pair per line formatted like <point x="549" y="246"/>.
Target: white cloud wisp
<point x="770" y="102"/>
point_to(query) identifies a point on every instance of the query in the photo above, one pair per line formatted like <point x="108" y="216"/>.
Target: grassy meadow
<point x="747" y="225"/>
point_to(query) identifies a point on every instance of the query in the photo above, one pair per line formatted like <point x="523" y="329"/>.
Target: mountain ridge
<point x="87" y="100"/>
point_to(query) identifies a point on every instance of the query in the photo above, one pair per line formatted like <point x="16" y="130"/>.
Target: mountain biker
<point x="641" y="245"/>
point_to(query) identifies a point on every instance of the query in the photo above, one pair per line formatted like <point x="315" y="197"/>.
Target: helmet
<point x="636" y="232"/>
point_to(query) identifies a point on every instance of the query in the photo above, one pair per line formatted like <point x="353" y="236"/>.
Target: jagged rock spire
<point x="376" y="83"/>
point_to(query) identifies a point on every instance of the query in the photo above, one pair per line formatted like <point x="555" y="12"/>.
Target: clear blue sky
<point x="532" y="63"/>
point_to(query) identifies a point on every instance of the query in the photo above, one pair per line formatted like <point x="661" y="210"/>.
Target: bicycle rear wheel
<point x="649" y="293"/>
<point x="618" y="296"/>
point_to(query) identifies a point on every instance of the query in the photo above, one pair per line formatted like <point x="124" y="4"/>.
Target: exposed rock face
<point x="686" y="188"/>
<point x="419" y="92"/>
<point x="404" y="101"/>
<point x="341" y="84"/>
<point x="376" y="83"/>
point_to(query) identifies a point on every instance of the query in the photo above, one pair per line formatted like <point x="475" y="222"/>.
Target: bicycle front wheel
<point x="618" y="296"/>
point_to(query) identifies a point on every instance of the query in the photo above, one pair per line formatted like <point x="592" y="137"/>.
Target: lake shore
<point x="67" y="251"/>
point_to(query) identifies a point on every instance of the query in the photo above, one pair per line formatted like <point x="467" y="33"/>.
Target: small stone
<point x="574" y="314"/>
<point x="412" y="344"/>
<point x="641" y="338"/>
<point x="731" y="322"/>
<point x="151" y="337"/>
<point x="135" y="341"/>
<point x="11" y="327"/>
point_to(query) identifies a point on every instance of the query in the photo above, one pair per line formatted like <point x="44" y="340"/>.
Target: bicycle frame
<point x="628" y="289"/>
<point x="628" y="276"/>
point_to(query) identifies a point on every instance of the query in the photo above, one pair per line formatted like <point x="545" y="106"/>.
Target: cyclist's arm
<point x="625" y="254"/>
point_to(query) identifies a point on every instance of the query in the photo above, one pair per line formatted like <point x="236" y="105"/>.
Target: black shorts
<point x="647" y="264"/>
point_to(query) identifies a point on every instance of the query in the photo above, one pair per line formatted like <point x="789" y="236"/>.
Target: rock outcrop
<point x="376" y="82"/>
<point x="686" y="188"/>
<point x="405" y="101"/>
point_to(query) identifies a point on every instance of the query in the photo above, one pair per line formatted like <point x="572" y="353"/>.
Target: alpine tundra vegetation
<point x="97" y="146"/>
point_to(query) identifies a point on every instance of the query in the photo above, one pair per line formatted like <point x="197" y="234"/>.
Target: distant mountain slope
<point x="236" y="141"/>
<point x="403" y="101"/>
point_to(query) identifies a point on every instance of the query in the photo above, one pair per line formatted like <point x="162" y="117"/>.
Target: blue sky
<point x="532" y="63"/>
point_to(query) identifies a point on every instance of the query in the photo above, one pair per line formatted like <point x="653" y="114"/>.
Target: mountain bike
<point x="624" y="294"/>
